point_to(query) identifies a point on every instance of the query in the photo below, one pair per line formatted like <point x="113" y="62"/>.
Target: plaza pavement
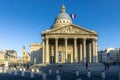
<point x="66" y="74"/>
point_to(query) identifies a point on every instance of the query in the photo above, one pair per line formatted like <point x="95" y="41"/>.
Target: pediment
<point x="71" y="29"/>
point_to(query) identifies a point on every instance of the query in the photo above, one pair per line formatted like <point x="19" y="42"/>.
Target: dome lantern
<point x="63" y="9"/>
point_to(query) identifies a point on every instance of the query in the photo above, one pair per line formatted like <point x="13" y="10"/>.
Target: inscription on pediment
<point x="71" y="29"/>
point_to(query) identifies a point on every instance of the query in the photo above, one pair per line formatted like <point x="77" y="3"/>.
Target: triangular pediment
<point x="71" y="29"/>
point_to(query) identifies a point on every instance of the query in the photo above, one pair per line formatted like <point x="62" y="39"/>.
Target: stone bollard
<point x="7" y="69"/>
<point x="10" y="72"/>
<point x="23" y="74"/>
<point x="50" y="71"/>
<point x="20" y="69"/>
<point x="4" y="70"/>
<point x="103" y="74"/>
<point x="43" y="76"/>
<point x="24" y="69"/>
<point x="119" y="76"/>
<point x="11" y="68"/>
<point x="15" y="73"/>
<point x="14" y="69"/>
<point x="58" y="77"/>
<point x="32" y="70"/>
<point x="88" y="73"/>
<point x="32" y="75"/>
<point x="37" y="71"/>
<point x="57" y="71"/>
<point x="77" y="73"/>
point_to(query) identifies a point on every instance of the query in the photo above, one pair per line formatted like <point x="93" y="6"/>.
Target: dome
<point x="62" y="19"/>
<point x="63" y="16"/>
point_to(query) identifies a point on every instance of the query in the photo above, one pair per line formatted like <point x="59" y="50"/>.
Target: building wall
<point x="36" y="53"/>
<point x="2" y="54"/>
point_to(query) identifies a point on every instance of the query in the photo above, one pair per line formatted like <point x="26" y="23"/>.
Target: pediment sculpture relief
<point x="71" y="29"/>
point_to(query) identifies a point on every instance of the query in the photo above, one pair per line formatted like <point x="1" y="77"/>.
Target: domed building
<point x="66" y="42"/>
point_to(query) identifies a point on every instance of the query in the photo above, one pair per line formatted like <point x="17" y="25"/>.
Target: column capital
<point x="47" y="38"/>
<point x="94" y="39"/>
<point x="84" y="38"/>
<point x="75" y="38"/>
<point x="56" y="38"/>
<point x="66" y="38"/>
<point x="43" y="38"/>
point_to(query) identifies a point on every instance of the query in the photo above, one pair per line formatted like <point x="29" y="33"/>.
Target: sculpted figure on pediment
<point x="71" y="29"/>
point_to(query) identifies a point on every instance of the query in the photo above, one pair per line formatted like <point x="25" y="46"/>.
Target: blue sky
<point x="22" y="21"/>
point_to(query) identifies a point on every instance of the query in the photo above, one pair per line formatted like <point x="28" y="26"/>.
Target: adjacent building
<point x="65" y="42"/>
<point x="25" y="59"/>
<point x="8" y="55"/>
<point x="11" y="56"/>
<point x="109" y="55"/>
<point x="2" y="57"/>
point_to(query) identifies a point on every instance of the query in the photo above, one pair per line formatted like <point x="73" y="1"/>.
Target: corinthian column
<point x="75" y="50"/>
<point x="47" y="51"/>
<point x="43" y="52"/>
<point x="81" y="56"/>
<point x="84" y="50"/>
<point x="56" y="49"/>
<point x="94" y="50"/>
<point x="90" y="55"/>
<point x="65" y="50"/>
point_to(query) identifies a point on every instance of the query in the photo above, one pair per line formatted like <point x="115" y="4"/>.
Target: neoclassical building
<point x="8" y="57"/>
<point x="66" y="42"/>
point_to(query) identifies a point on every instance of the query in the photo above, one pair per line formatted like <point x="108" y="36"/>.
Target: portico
<point x="69" y="50"/>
